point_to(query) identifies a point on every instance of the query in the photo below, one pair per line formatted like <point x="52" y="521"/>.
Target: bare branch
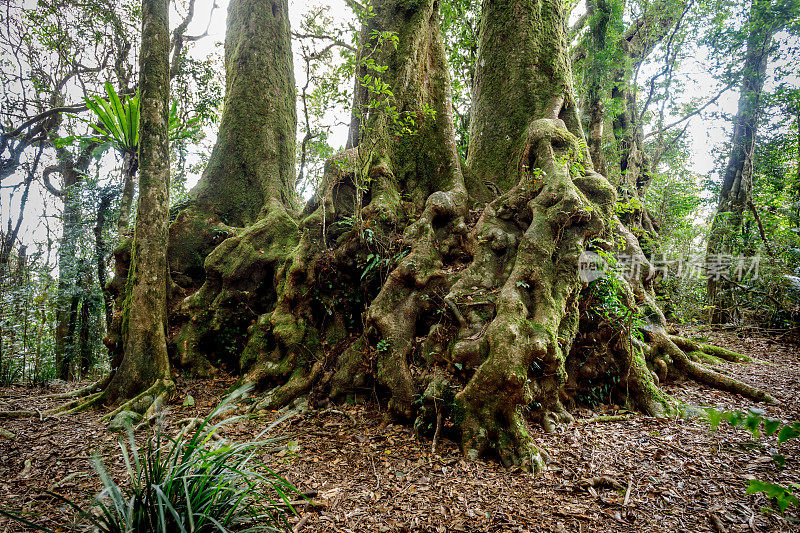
<point x="178" y="37"/>
<point x="334" y="42"/>
<point x="693" y="113"/>
<point x="41" y="116"/>
<point x="52" y="169"/>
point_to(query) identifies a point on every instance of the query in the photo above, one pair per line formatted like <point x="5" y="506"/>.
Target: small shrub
<point x="10" y="373"/>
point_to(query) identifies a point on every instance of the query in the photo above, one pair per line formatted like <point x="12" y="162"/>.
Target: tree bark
<point x="145" y="363"/>
<point x="130" y="164"/>
<point x="66" y="293"/>
<point x="84" y="351"/>
<point x="253" y="160"/>
<point x="391" y="283"/>
<point x="100" y="252"/>
<point x="737" y="181"/>
<point x="359" y="93"/>
<point x="600" y="15"/>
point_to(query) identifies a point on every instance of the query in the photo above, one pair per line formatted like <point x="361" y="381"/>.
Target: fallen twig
<point x="600" y="482"/>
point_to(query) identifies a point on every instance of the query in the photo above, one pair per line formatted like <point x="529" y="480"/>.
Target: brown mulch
<point x="636" y="474"/>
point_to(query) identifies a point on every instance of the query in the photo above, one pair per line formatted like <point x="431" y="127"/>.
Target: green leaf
<point x="752" y="423"/>
<point x="770" y="489"/>
<point x="787" y="499"/>
<point x="133" y="121"/>
<point x="734" y="418"/>
<point x="118" y="110"/>
<point x="787" y="433"/>
<point x="771" y="425"/>
<point x="714" y="417"/>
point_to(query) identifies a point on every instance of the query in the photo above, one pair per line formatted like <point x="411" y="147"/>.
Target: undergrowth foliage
<point x="188" y="484"/>
<point x="755" y="421"/>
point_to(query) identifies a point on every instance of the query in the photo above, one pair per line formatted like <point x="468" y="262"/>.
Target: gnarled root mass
<point x="473" y="322"/>
<point x="469" y="319"/>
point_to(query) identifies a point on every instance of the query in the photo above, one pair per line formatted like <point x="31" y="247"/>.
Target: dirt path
<point x="675" y="475"/>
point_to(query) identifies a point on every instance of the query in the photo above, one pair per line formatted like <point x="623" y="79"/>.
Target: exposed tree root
<point x="688" y="345"/>
<point x="299" y="384"/>
<point x="79" y="405"/>
<point x="79" y="393"/>
<point x="707" y="376"/>
<point x="470" y="323"/>
<point x="19" y="414"/>
<point x="483" y="326"/>
<point x="147" y="402"/>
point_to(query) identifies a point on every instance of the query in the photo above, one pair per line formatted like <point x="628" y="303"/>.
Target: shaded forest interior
<point x="492" y="226"/>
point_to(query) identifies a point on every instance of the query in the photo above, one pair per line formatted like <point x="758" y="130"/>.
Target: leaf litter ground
<point x="631" y="474"/>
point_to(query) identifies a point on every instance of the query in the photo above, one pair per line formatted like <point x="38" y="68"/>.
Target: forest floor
<point x="676" y="474"/>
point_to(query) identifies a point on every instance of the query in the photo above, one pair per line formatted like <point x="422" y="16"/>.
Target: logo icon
<point x="591" y="267"/>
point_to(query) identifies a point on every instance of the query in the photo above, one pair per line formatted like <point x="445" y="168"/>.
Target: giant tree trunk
<point x="253" y="160"/>
<point x="737" y="181"/>
<point x="389" y="283"/>
<point x="145" y="365"/>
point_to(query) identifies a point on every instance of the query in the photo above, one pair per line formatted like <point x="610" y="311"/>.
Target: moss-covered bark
<point x="467" y="316"/>
<point x="145" y="360"/>
<point x="516" y="63"/>
<point x="253" y="159"/>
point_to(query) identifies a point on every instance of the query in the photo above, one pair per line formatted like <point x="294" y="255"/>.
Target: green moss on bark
<point x="253" y="160"/>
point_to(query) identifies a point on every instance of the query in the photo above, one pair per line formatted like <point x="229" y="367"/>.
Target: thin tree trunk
<point x="84" y="350"/>
<point x="26" y="280"/>
<point x="129" y="166"/>
<point x="66" y="369"/>
<point x="67" y="267"/>
<point x="71" y="171"/>
<point x="796" y="191"/>
<point x="599" y="12"/>
<point x="145" y="363"/>
<point x="360" y="93"/>
<point x="100" y="255"/>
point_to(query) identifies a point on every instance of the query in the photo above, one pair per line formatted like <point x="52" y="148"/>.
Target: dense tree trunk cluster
<point x="449" y="289"/>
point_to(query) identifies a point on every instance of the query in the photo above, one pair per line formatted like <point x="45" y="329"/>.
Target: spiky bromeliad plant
<point x="118" y="120"/>
<point x="188" y="484"/>
<point x="116" y="126"/>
